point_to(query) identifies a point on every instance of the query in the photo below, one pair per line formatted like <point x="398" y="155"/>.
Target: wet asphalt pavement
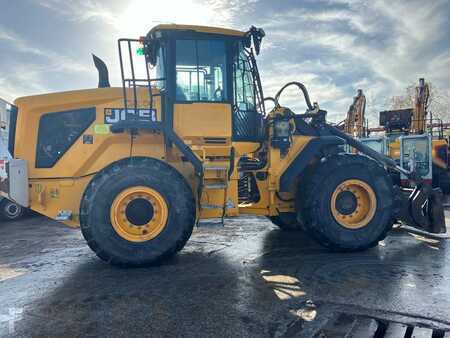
<point x="248" y="279"/>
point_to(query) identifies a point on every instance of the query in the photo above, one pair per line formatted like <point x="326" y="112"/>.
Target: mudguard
<point x="312" y="149"/>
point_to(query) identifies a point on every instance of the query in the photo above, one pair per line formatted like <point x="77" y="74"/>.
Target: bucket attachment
<point x="421" y="208"/>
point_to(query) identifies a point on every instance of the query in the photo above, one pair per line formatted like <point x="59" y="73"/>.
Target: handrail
<point x="133" y="83"/>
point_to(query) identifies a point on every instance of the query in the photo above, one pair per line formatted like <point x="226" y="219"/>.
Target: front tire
<point x="137" y="212"/>
<point x="348" y="203"/>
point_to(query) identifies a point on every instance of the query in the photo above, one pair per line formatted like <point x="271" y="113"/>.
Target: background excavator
<point x="355" y="122"/>
<point x="189" y="138"/>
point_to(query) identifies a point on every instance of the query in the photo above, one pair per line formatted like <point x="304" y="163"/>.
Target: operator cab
<point x="193" y="66"/>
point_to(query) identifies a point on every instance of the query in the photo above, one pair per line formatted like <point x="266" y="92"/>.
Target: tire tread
<point x="167" y="174"/>
<point x="310" y="209"/>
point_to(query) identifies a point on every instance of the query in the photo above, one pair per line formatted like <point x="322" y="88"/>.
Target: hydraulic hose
<point x="271" y="99"/>
<point x="389" y="162"/>
<point x="300" y="86"/>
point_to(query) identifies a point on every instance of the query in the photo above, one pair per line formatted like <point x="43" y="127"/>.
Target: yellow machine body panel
<point x="394" y="149"/>
<point x="61" y="186"/>
<point x="49" y="196"/>
<point x="438" y="145"/>
<point x="202" y="120"/>
<point x="92" y="157"/>
<point x="272" y="202"/>
<point x="243" y="148"/>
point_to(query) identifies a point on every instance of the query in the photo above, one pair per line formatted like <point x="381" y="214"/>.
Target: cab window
<point x="416" y="151"/>
<point x="158" y="71"/>
<point x="201" y="70"/>
<point x="243" y="82"/>
<point x="248" y="123"/>
<point x="58" y="132"/>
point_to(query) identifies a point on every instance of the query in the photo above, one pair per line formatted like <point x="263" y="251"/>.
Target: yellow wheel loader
<point x="188" y="137"/>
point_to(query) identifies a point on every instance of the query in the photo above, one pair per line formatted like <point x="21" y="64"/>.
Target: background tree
<point x="438" y="102"/>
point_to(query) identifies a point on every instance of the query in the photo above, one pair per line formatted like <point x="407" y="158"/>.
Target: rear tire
<point x="124" y="237"/>
<point x="10" y="211"/>
<point x="348" y="203"/>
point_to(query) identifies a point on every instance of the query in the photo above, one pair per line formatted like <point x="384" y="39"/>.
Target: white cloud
<point x="25" y="79"/>
<point x="81" y="10"/>
<point x="136" y="17"/>
<point x="334" y="46"/>
<point x="321" y="89"/>
<point x="389" y="43"/>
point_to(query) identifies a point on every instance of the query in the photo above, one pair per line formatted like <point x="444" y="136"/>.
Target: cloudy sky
<point x="333" y="46"/>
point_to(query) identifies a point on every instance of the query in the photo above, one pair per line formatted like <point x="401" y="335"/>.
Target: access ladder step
<point x="215" y="168"/>
<point x="215" y="172"/>
<point x="214" y="186"/>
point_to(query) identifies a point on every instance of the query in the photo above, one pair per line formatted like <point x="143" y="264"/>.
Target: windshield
<point x="201" y="70"/>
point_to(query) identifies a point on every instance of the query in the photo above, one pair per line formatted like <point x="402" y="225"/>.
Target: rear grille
<point x="247" y="126"/>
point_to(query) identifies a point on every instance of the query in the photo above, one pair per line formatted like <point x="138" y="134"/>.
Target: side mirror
<point x="151" y="50"/>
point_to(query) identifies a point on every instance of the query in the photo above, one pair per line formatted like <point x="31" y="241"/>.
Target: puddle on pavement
<point x="7" y="272"/>
<point x="284" y="286"/>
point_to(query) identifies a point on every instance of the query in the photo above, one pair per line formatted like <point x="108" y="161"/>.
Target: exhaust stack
<point x="103" y="77"/>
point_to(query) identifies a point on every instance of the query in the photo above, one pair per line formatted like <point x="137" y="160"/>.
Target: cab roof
<point x="198" y="29"/>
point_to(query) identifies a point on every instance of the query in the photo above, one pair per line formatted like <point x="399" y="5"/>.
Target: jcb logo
<point x="114" y="115"/>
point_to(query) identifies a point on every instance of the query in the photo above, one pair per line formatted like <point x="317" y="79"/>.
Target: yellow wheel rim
<point x="353" y="204"/>
<point x="139" y="214"/>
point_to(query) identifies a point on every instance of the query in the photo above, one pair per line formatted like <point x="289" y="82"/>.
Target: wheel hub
<point x="353" y="204"/>
<point x="139" y="211"/>
<point x="346" y="202"/>
<point x="139" y="214"/>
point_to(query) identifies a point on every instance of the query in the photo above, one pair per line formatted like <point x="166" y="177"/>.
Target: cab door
<point x="202" y="105"/>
